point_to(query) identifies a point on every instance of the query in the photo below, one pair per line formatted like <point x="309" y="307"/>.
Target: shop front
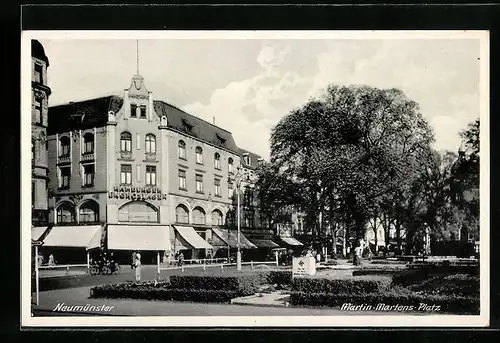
<point x="225" y="243"/>
<point x="190" y="243"/>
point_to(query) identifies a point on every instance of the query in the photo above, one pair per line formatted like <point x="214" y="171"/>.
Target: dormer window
<point x="187" y="126"/>
<point x="220" y="140"/>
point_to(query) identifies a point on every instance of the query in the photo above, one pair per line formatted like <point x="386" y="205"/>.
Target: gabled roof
<point x="82" y="114"/>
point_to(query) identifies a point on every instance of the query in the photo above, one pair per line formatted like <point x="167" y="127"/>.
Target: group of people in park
<point x="41" y="260"/>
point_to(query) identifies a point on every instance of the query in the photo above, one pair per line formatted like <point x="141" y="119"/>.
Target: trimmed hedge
<point x="416" y="275"/>
<point x="151" y="292"/>
<point x="280" y="277"/>
<point x="447" y="303"/>
<point x="241" y="284"/>
<point x="351" y="285"/>
<point x="456" y="284"/>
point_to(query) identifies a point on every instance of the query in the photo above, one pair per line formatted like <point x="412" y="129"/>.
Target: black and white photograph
<point x="255" y="178"/>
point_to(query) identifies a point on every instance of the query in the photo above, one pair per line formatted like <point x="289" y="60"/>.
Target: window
<point x="151" y="175"/>
<point x="229" y="189"/>
<point x="65" y="213"/>
<point x="181" y="214"/>
<point x="217" y="217"/>
<point x="89" y="212"/>
<point x="150" y="144"/>
<point x="199" y="216"/>
<point x="33" y="150"/>
<point x="38" y="111"/>
<point x="220" y="140"/>
<point x="138" y="211"/>
<point x="217" y="187"/>
<point x="65" y="146"/>
<point x="187" y="126"/>
<point x="65" y="173"/>
<point x="126" y="141"/>
<point x="143" y="111"/>
<point x="38" y="73"/>
<point x="230" y="165"/>
<point x="182" y="150"/>
<point x="217" y="161"/>
<point x="182" y="179"/>
<point x="133" y="110"/>
<point x="199" y="155"/>
<point x="88" y="143"/>
<point x="246" y="158"/>
<point x="126" y="174"/>
<point x="199" y="183"/>
<point x="33" y="193"/>
<point x="88" y="175"/>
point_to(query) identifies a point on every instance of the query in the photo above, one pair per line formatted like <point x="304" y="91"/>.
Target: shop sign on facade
<point x="137" y="193"/>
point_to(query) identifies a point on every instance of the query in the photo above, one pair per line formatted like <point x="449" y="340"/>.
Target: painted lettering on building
<point x="137" y="193"/>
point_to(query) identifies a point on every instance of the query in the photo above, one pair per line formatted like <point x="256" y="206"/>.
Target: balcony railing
<point x="88" y="156"/>
<point x="64" y="159"/>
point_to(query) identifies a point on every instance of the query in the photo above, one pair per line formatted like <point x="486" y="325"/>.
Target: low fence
<point x="209" y="263"/>
<point x="62" y="269"/>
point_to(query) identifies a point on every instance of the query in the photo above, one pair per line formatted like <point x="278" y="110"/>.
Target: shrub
<point x="455" y="284"/>
<point x="280" y="277"/>
<point x="416" y="275"/>
<point x="349" y="285"/>
<point x="242" y="284"/>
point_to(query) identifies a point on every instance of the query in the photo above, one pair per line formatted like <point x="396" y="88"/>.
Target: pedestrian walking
<point x="40" y="260"/>
<point x="132" y="261"/>
<point x="137" y="265"/>
<point x="180" y="259"/>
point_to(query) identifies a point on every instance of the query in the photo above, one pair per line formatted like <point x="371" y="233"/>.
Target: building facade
<point x="40" y="93"/>
<point x="152" y="176"/>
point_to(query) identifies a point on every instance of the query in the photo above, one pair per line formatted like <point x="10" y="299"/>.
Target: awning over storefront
<point x="71" y="236"/>
<point x="192" y="238"/>
<point x="231" y="238"/>
<point x="264" y="243"/>
<point x="138" y="237"/>
<point x="95" y="242"/>
<point x="37" y="232"/>
<point x="291" y="241"/>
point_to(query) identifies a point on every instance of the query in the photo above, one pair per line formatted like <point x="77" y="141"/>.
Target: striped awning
<point x="230" y="237"/>
<point x="291" y="241"/>
<point x="264" y="243"/>
<point x="192" y="238"/>
<point x="71" y="236"/>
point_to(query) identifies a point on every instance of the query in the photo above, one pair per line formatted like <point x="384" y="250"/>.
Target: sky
<point x="248" y="85"/>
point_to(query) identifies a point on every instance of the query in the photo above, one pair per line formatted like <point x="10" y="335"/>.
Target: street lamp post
<point x="238" y="179"/>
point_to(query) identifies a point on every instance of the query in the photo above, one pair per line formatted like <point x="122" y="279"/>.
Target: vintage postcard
<point x="266" y="178"/>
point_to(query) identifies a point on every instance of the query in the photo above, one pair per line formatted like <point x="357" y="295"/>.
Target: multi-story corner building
<point x="40" y="93"/>
<point x="134" y="173"/>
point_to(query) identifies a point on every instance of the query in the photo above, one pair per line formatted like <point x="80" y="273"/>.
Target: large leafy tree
<point x="348" y="149"/>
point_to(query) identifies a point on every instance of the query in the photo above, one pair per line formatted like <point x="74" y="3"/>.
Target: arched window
<point x="64" y="143"/>
<point x="199" y="155"/>
<point x="182" y="150"/>
<point x="230" y="218"/>
<point x="138" y="211"/>
<point x="230" y="165"/>
<point x="182" y="214"/>
<point x="126" y="141"/>
<point x="217" y="217"/>
<point x="199" y="216"/>
<point x="65" y="213"/>
<point x="88" y="143"/>
<point x="217" y="161"/>
<point x="150" y="144"/>
<point x="89" y="212"/>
